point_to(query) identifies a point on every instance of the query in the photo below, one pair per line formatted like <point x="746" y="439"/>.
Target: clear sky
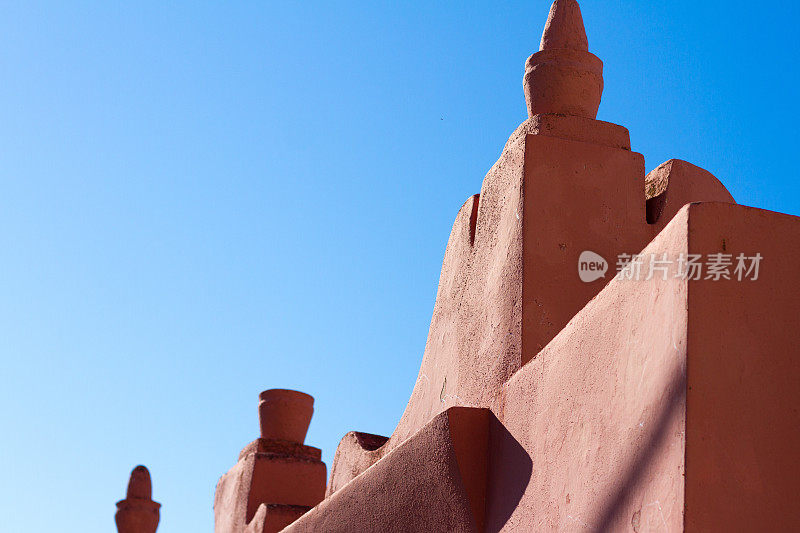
<point x="200" y="201"/>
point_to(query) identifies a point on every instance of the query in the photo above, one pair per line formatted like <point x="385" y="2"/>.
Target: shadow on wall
<point x="506" y="454"/>
<point x="510" y="467"/>
<point x="634" y="476"/>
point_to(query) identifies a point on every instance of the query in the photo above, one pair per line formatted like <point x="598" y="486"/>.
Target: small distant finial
<point x="138" y="513"/>
<point x="140" y="486"/>
<point x="564" y="27"/>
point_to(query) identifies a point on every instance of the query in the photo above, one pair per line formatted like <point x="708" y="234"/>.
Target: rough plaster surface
<point x="509" y="279"/>
<point x="659" y="404"/>
<point x="434" y="481"/>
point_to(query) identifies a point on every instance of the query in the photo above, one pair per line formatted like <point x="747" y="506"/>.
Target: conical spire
<point x="563" y="77"/>
<point x="564" y="27"/>
<point x="140" y="486"/>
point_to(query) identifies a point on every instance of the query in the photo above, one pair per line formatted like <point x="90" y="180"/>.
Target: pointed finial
<point x="140" y="486"/>
<point x="563" y="77"/>
<point x="564" y="27"/>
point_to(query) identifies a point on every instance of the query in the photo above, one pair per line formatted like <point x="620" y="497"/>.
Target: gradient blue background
<point x="199" y="201"/>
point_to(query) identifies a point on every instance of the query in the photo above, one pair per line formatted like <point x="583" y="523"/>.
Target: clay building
<point x="610" y="350"/>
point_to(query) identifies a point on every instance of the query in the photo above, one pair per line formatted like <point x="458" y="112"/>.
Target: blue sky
<point x="200" y="201"/>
